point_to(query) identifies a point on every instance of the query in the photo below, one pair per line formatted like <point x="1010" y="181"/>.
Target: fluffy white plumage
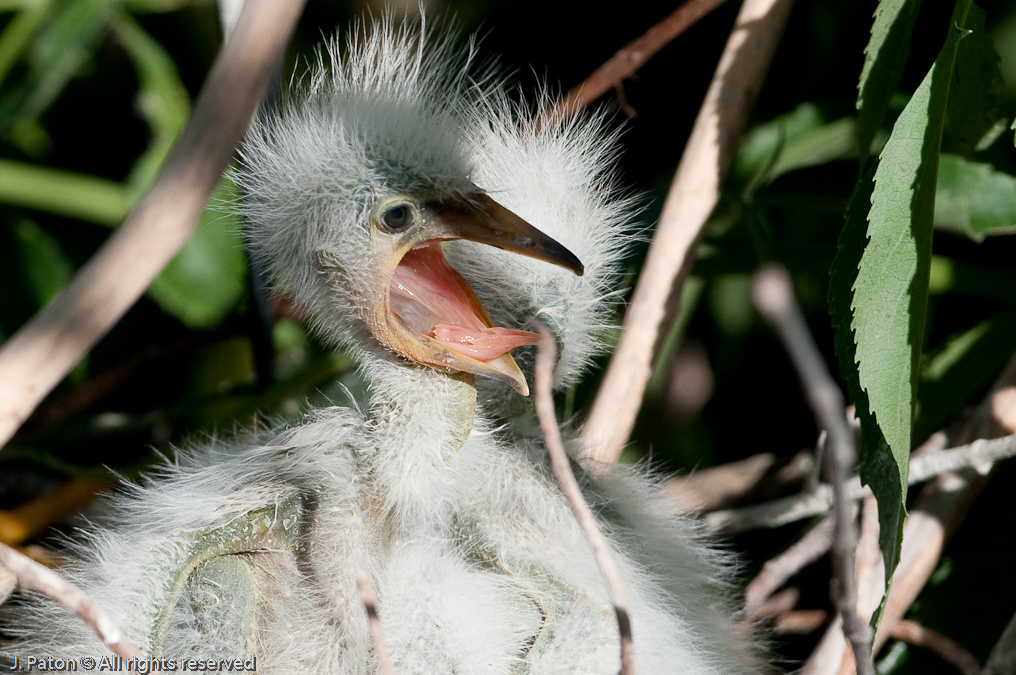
<point x="254" y="546"/>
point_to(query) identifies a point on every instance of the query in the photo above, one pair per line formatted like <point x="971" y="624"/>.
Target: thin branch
<point x="779" y="569"/>
<point x="720" y="486"/>
<point x="37" y="357"/>
<point x="31" y="576"/>
<point x="947" y="648"/>
<point x="979" y="455"/>
<point x="546" y="357"/>
<point x="800" y="622"/>
<point x="632" y="56"/>
<point x="377" y="635"/>
<point x="832" y="655"/>
<point x="693" y="194"/>
<point x="774" y="298"/>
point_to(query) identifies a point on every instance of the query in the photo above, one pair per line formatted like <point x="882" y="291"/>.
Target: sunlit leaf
<point x="959" y="367"/>
<point x="890" y="292"/>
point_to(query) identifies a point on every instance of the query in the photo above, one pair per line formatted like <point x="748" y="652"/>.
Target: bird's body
<point x="435" y="487"/>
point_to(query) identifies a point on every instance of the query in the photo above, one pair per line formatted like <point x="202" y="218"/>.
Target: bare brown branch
<point x="690" y="201"/>
<point x="377" y="635"/>
<point x="31" y="576"/>
<point x="951" y="651"/>
<point x="980" y="455"/>
<point x="631" y="57"/>
<point x="545" y="359"/>
<point x="35" y="359"/>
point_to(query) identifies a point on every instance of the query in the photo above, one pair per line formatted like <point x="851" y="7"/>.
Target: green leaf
<point x="206" y="278"/>
<point x="973" y="199"/>
<point x="891" y="290"/>
<point x="884" y="58"/>
<point x="58" y="51"/>
<point x="75" y="195"/>
<point x="797" y="140"/>
<point x="973" y="112"/>
<point x="18" y="32"/>
<point x="843" y="274"/>
<point x="965" y="363"/>
<point x="162" y="98"/>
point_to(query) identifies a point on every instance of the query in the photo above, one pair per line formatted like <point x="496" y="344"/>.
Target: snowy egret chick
<point x="420" y="218"/>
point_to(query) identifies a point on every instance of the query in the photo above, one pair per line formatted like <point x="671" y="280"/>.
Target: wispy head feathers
<point x="402" y="108"/>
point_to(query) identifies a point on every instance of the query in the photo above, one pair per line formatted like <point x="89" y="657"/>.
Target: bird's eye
<point x="397" y="218"/>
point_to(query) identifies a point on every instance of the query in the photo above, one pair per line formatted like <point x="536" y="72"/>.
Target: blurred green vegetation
<point x="93" y="93"/>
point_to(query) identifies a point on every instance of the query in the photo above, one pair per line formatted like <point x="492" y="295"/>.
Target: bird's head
<point x="418" y="305"/>
<point x="353" y="186"/>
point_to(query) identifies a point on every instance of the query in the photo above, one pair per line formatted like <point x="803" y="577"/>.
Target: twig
<point x="779" y="569"/>
<point x="35" y="359"/>
<point x="831" y="656"/>
<point x="979" y="455"/>
<point x="717" y="487"/>
<point x="800" y="622"/>
<point x="31" y="576"/>
<point x="631" y="57"/>
<point x="693" y="194"/>
<point x="1002" y="660"/>
<point x="545" y="358"/>
<point x="774" y="298"/>
<point x="922" y="636"/>
<point x="377" y="635"/>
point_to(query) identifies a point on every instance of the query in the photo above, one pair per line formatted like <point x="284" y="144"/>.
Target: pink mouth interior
<point x="432" y="299"/>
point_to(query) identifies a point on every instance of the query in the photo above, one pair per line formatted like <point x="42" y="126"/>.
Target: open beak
<point x="430" y="314"/>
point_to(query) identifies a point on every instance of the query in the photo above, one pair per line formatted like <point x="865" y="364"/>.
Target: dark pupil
<point x="396" y="218"/>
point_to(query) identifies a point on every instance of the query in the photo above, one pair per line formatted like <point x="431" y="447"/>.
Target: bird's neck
<point x="420" y="420"/>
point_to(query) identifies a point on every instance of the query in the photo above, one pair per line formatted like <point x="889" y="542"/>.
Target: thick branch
<point x="693" y="194"/>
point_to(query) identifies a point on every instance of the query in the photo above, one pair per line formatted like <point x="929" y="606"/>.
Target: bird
<point x="421" y="217"/>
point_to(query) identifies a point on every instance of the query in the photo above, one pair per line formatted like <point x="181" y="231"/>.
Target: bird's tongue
<point x="432" y="299"/>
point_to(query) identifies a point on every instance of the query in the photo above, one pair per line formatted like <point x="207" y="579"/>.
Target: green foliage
<point x="798" y="140"/>
<point x="972" y="114"/>
<point x="883" y="268"/>
<point x="973" y="199"/>
<point x="884" y="58"/>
